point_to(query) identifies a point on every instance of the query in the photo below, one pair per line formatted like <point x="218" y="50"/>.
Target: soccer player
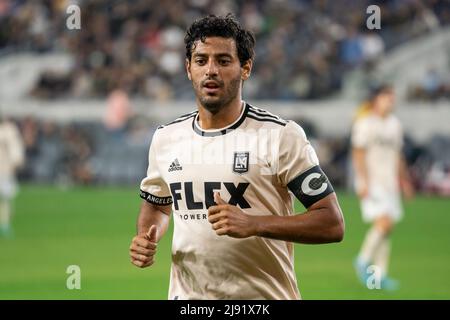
<point x="380" y="168"/>
<point x="12" y="157"/>
<point x="228" y="172"/>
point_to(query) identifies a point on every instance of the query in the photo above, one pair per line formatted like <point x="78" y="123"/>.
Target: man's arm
<point x="152" y="224"/>
<point x="151" y="214"/>
<point x="323" y="222"/>
<point x="405" y="178"/>
<point x="360" y="168"/>
<point x="299" y="171"/>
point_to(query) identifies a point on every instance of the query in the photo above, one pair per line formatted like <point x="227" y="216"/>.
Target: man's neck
<point x="226" y="116"/>
<point x="382" y="115"/>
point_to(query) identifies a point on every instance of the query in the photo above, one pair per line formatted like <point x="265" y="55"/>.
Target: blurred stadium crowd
<point x="92" y="153"/>
<point x="84" y="153"/>
<point x="432" y="87"/>
<point x="132" y="46"/>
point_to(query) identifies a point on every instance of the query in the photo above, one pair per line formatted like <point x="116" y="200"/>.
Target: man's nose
<point x="212" y="69"/>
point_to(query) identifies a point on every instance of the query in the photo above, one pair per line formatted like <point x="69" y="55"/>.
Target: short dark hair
<point x="377" y="88"/>
<point x="226" y="27"/>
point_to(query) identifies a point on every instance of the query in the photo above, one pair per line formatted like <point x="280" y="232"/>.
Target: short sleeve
<point x="298" y="166"/>
<point x="360" y="134"/>
<point x="153" y="188"/>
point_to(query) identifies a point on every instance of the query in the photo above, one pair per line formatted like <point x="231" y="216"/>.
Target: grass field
<point x="92" y="228"/>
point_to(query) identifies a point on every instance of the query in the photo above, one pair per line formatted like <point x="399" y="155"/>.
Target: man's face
<point x="385" y="102"/>
<point x="216" y="73"/>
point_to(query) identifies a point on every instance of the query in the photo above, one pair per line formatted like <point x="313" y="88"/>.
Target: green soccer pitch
<point x="92" y="228"/>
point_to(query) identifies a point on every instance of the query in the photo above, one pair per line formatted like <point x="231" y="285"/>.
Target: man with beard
<point x="229" y="171"/>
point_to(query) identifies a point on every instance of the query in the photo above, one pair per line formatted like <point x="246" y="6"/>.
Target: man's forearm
<point x="317" y="225"/>
<point x="403" y="170"/>
<point x="405" y="180"/>
<point x="151" y="215"/>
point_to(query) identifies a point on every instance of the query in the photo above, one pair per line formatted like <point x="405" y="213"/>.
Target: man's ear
<point x="187" y="64"/>
<point x="247" y="69"/>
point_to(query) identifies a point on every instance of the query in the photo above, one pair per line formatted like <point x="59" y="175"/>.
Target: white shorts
<point x="381" y="203"/>
<point x="8" y="188"/>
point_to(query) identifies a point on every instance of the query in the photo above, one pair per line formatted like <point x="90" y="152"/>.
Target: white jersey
<point x="382" y="139"/>
<point x="254" y="163"/>
<point x="11" y="157"/>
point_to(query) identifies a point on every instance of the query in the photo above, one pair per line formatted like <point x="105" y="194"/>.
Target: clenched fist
<point x="227" y="219"/>
<point x="143" y="248"/>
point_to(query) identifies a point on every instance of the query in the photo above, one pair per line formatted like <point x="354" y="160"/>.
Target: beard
<point x="215" y="103"/>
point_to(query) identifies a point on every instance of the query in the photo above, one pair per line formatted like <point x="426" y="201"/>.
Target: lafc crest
<point x="241" y="162"/>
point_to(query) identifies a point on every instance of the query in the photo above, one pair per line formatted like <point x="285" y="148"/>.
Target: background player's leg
<point x="370" y="244"/>
<point x="382" y="254"/>
<point x="5" y="217"/>
<point x="375" y="238"/>
<point x="379" y="232"/>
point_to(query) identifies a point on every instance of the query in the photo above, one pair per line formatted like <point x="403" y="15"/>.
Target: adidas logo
<point x="175" y="165"/>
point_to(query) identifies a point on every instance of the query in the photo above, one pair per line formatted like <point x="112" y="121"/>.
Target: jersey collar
<point x="221" y="131"/>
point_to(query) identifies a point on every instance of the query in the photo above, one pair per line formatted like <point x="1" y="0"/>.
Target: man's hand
<point x="143" y="248"/>
<point x="362" y="190"/>
<point x="229" y="220"/>
<point x="407" y="189"/>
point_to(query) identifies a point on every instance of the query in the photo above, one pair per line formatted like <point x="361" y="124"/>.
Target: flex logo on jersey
<point x="240" y="162"/>
<point x="236" y="192"/>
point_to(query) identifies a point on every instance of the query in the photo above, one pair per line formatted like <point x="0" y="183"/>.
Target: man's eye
<point x="200" y="61"/>
<point x="224" y="62"/>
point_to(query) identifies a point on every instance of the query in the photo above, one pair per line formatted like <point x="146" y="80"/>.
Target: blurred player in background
<point x="236" y="244"/>
<point x="11" y="158"/>
<point x="380" y="175"/>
